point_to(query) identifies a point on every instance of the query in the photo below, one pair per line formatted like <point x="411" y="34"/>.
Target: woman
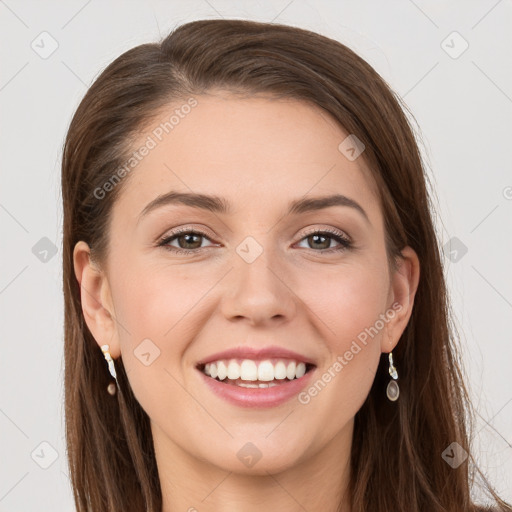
<point x="246" y="216"/>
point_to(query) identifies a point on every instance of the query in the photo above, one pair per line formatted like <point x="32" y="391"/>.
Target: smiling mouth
<point x="256" y="374"/>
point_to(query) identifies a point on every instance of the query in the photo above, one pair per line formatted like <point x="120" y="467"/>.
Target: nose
<point x="260" y="292"/>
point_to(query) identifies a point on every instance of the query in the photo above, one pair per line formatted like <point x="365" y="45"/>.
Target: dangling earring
<point x="392" y="391"/>
<point x="111" y="388"/>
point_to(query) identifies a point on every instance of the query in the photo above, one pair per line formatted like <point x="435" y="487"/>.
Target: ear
<point x="404" y="283"/>
<point x="96" y="299"/>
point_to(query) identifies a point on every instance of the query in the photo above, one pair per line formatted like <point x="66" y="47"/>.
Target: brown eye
<point x="187" y="241"/>
<point x="319" y="241"/>
<point x="322" y="240"/>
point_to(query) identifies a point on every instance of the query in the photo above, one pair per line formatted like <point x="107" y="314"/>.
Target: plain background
<point x="460" y="97"/>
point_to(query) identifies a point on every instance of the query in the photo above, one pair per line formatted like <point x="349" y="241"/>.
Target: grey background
<point x="462" y="104"/>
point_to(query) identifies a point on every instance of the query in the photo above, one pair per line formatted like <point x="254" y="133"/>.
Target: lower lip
<point x="258" y="397"/>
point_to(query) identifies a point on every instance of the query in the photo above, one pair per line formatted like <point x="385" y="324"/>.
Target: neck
<point x="317" y="481"/>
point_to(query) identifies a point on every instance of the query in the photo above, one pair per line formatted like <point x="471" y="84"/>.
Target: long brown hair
<point x="396" y="461"/>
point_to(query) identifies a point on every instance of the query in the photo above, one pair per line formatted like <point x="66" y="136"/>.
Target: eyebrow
<point x="218" y="204"/>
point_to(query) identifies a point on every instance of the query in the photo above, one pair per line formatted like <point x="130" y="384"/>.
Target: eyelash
<point x="344" y="242"/>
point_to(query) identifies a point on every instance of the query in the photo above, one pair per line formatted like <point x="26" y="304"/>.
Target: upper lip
<point x="256" y="353"/>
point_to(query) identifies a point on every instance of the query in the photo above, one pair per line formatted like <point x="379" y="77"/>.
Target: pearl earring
<point x="111" y="388"/>
<point x="392" y="391"/>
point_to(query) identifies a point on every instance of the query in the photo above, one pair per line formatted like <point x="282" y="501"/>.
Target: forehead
<point x="256" y="151"/>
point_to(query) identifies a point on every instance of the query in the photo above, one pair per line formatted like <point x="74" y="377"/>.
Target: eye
<point x="321" y="239"/>
<point x="188" y="241"/>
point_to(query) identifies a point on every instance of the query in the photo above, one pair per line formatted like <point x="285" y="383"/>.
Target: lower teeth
<point x="253" y="384"/>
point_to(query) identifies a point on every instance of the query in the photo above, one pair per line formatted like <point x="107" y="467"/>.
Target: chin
<point x="258" y="456"/>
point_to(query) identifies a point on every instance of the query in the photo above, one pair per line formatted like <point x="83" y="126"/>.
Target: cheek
<point x="152" y="300"/>
<point x="151" y="315"/>
<point x="348" y="302"/>
<point x="350" y="306"/>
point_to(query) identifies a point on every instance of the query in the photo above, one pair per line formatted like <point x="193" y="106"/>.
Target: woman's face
<point x="254" y="277"/>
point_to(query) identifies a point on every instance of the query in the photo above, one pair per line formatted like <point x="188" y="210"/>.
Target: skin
<point x="259" y="153"/>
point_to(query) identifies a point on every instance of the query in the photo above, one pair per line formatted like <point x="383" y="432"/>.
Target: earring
<point x="392" y="391"/>
<point x="111" y="388"/>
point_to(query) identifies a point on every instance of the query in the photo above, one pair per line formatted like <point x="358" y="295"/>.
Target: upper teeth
<point x="255" y="370"/>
